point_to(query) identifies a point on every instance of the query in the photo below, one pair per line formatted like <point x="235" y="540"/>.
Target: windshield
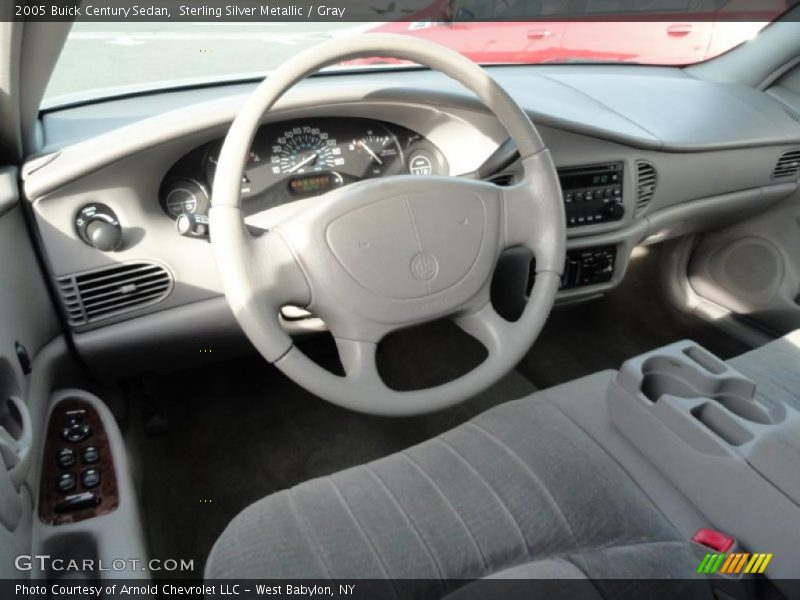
<point x="102" y="59"/>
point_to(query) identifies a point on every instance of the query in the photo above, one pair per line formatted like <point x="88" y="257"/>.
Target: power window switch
<point x="66" y="482"/>
<point x="66" y="458"/>
<point x="90" y="478"/>
<point x="90" y="455"/>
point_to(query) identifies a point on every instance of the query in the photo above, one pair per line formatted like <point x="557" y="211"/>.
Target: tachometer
<point x="305" y="149"/>
<point x="253" y="162"/>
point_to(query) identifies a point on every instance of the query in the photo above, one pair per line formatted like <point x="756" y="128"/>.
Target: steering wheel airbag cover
<point x="410" y="245"/>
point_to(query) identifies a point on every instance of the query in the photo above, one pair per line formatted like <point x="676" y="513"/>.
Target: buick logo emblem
<point x="424" y="267"/>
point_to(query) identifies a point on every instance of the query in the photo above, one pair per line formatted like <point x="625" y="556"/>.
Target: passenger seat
<point x="775" y="369"/>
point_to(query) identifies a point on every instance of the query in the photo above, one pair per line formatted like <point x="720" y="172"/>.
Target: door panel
<point x="27" y="319"/>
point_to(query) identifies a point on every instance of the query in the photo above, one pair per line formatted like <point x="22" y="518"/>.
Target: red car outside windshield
<point x="656" y="38"/>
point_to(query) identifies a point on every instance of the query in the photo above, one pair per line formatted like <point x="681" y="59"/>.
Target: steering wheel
<point x="383" y="254"/>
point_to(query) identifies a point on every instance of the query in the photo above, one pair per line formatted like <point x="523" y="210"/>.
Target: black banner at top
<point x="397" y="10"/>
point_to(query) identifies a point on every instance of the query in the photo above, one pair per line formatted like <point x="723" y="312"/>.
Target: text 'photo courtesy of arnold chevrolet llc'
<point x="402" y="299"/>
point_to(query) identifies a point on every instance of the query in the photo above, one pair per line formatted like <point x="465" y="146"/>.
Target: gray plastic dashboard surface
<point x="647" y="107"/>
<point x="714" y="146"/>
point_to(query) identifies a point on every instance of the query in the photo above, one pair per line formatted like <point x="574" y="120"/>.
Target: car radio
<point x="592" y="194"/>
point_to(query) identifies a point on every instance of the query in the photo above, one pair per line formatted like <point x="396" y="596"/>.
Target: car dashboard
<point x="120" y="194"/>
<point x="296" y="159"/>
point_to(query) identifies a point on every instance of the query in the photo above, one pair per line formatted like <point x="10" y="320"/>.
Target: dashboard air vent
<point x="788" y="164"/>
<point x="103" y="293"/>
<point x="645" y="185"/>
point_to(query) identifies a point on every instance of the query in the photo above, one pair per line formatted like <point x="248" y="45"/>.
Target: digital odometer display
<point x="313" y="184"/>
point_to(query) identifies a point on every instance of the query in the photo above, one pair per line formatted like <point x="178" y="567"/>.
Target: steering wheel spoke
<point x="278" y="270"/>
<point x="358" y="360"/>
<point x="486" y="326"/>
<point x="530" y="213"/>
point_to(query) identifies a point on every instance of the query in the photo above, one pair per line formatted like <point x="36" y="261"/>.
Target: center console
<point x="735" y="456"/>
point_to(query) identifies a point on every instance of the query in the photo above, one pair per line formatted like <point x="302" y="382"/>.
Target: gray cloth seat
<point x="521" y="491"/>
<point x="519" y="486"/>
<point x="775" y="369"/>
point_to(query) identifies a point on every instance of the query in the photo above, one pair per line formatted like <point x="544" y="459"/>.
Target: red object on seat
<point x="714" y="539"/>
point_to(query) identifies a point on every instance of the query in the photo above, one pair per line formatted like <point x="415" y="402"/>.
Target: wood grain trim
<point x="49" y="496"/>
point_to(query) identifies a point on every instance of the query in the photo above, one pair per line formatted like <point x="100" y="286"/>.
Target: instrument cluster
<point x="296" y="159"/>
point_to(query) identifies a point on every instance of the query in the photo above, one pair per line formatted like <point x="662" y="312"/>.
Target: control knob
<point x="192" y="225"/>
<point x="98" y="226"/>
<point x="603" y="262"/>
<point x="614" y="211"/>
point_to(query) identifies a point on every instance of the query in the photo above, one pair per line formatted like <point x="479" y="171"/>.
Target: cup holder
<point x="717" y="420"/>
<point x="668" y="375"/>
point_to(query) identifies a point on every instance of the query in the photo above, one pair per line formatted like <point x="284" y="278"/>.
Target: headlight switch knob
<point x="98" y="226"/>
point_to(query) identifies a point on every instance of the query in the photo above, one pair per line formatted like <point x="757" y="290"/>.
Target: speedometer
<point x="297" y="159"/>
<point x="305" y="149"/>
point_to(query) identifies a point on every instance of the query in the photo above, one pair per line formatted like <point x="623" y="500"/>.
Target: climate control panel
<point x="588" y="266"/>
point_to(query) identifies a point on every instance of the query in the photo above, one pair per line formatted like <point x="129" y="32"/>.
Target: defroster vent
<point x="104" y="293"/>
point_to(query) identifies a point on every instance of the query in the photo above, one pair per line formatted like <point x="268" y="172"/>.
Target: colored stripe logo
<point x="734" y="563"/>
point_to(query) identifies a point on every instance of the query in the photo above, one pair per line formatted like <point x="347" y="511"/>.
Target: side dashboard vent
<point x="788" y="164"/>
<point x="645" y="185"/>
<point x="104" y="293"/>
